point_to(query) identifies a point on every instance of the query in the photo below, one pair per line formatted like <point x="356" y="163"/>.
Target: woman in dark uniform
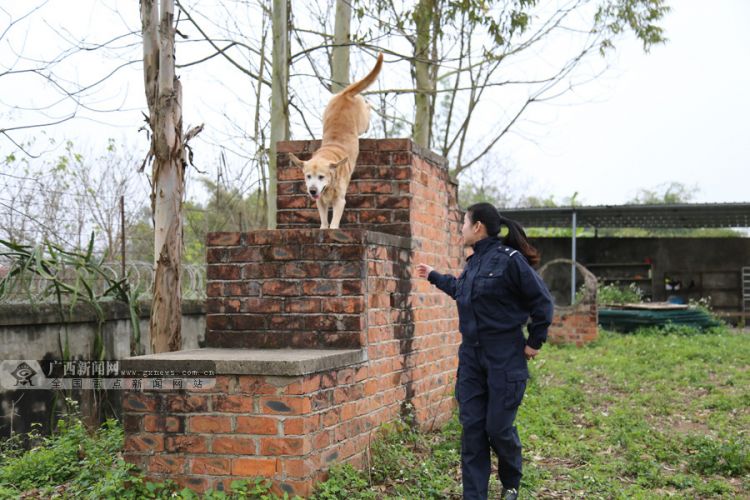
<point x="496" y="294"/>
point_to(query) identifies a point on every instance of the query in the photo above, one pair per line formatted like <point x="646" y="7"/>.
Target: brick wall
<point x="300" y="287"/>
<point x="574" y="325"/>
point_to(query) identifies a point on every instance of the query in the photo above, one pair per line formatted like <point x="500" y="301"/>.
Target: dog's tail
<point x="357" y="87"/>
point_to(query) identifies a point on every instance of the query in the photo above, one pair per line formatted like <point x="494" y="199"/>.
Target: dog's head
<point x="318" y="173"/>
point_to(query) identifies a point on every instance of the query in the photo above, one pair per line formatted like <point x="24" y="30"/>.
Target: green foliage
<point x="671" y="193"/>
<point x="628" y="416"/>
<point x="76" y="464"/>
<point x="70" y="277"/>
<point x="404" y="463"/>
<point x="614" y="293"/>
<point x="709" y="455"/>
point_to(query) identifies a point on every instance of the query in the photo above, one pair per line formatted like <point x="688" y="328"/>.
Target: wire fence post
<point x="122" y="234"/>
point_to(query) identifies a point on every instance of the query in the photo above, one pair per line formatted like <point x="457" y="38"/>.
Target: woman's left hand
<point x="530" y="352"/>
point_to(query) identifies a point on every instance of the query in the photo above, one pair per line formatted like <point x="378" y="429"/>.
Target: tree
<point x="668" y="193"/>
<point x="466" y="49"/>
<point x="341" y="42"/>
<point x="169" y="160"/>
<point x="279" y="99"/>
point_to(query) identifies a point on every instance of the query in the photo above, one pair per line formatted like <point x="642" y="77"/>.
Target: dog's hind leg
<point x="338" y="211"/>
<point x="323" y="211"/>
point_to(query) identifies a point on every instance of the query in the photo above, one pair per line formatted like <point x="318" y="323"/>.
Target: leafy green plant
<point x="70" y="275"/>
<point x="614" y="293"/>
<point x="709" y="455"/>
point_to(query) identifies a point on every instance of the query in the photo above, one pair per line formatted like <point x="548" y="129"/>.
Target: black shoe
<point x="509" y="494"/>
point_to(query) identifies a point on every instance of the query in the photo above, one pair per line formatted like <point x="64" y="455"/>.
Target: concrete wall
<point x="711" y="264"/>
<point x="35" y="333"/>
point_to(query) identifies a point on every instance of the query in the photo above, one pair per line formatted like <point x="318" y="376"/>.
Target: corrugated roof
<point x="694" y="215"/>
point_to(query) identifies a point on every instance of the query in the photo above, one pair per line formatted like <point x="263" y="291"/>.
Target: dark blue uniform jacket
<point x="496" y="293"/>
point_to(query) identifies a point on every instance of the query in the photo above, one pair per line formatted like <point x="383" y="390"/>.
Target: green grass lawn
<point x="646" y="415"/>
<point x="640" y="416"/>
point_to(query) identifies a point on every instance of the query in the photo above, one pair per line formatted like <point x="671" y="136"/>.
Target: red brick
<point x="215" y="290"/>
<point x="293" y="488"/>
<point x="347" y="305"/>
<point x="140" y="402"/>
<point x="286" y="323"/>
<point x="351" y="287"/>
<point x="251" y="467"/>
<point x="310" y="383"/>
<point x="189" y="443"/>
<point x="303" y="305"/>
<point x="233" y="445"/>
<point x="383" y="187"/>
<point x="284" y="288"/>
<point x="232" y="403"/>
<point x="144" y="442"/>
<point x="281" y="253"/>
<point x="211" y="466"/>
<point x="132" y="423"/>
<point x="183" y="403"/>
<point x="321" y="440"/>
<point x="162" y="423"/>
<point x="167" y="464"/>
<point x="247" y="322"/>
<point x="301" y="426"/>
<point x="256" y="425"/>
<point x="210" y="423"/>
<point x="262" y="306"/>
<point x="196" y="484"/>
<point x="320" y="287"/>
<point x="296" y="467"/>
<point x="394" y="145"/>
<point x="223" y="272"/>
<point x="241" y="289"/>
<point x="292" y="202"/>
<point x="254" y="384"/>
<point x="285" y="405"/>
<point x="260" y="270"/>
<point x="274" y="446"/>
<point x="244" y="254"/>
<point x="301" y="270"/>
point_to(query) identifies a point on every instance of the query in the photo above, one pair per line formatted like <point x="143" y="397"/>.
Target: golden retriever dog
<point x="328" y="172"/>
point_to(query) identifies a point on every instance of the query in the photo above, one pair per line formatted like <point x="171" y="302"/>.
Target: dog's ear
<point x="339" y="163"/>
<point x="296" y="161"/>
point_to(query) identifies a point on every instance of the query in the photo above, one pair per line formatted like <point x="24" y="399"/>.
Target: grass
<point x="650" y="415"/>
<point x="657" y="414"/>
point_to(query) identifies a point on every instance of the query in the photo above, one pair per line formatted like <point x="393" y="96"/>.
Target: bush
<point x="708" y="455"/>
<point x="614" y="293"/>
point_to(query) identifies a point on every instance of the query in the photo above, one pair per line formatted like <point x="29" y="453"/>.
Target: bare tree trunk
<point x="164" y="96"/>
<point x="422" y="73"/>
<point x="279" y="98"/>
<point x="341" y="43"/>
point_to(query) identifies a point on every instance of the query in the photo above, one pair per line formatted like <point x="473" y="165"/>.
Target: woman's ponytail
<point x="516" y="238"/>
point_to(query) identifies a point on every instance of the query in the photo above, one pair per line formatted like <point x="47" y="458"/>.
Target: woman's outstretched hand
<point x="423" y="270"/>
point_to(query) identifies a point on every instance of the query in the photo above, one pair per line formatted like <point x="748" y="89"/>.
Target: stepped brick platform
<point x="316" y="337"/>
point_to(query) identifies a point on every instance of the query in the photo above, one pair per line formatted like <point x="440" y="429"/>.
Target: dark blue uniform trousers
<point x="491" y="382"/>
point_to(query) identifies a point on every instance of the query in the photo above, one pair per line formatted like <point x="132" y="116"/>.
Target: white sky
<point x="678" y="114"/>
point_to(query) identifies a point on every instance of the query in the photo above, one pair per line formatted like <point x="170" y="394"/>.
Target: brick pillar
<point x="369" y="342"/>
